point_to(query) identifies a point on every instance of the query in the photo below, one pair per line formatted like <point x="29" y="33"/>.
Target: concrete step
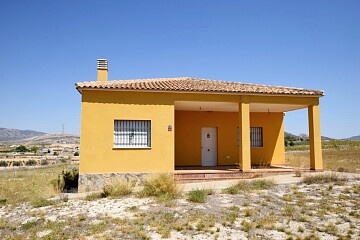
<point x="196" y="177"/>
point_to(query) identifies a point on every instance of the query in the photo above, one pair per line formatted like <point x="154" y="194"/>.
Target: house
<point x="130" y="128"/>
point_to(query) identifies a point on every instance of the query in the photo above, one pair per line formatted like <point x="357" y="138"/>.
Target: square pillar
<point x="316" y="162"/>
<point x="244" y="134"/>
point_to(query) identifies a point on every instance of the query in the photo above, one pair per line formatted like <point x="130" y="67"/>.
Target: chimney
<point x="102" y="70"/>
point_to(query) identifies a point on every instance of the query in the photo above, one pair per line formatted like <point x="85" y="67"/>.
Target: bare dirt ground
<point x="287" y="211"/>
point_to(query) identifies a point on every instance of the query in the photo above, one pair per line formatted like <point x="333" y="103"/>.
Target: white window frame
<point x="256" y="137"/>
<point x="132" y="133"/>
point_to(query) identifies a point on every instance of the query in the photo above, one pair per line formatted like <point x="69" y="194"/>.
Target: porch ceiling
<point x="233" y="107"/>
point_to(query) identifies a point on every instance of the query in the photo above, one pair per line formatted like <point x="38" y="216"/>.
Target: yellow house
<point x="134" y="127"/>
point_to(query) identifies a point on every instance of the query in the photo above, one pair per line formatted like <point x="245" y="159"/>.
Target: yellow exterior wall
<point x="188" y="126"/>
<point x="100" y="109"/>
<point x="273" y="150"/>
<point x="182" y="145"/>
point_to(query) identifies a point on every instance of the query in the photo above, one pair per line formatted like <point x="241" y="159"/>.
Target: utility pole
<point x="63" y="129"/>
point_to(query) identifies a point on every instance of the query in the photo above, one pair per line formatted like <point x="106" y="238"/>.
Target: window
<point x="256" y="137"/>
<point x="132" y="133"/>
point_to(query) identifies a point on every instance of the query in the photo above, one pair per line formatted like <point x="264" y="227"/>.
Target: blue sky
<point x="47" y="46"/>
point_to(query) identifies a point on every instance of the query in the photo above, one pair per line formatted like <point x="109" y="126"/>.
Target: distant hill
<point x="50" y="138"/>
<point x="7" y="134"/>
<point x="304" y="136"/>
<point x="354" y="138"/>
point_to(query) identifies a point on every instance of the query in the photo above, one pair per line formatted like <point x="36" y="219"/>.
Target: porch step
<point x="208" y="176"/>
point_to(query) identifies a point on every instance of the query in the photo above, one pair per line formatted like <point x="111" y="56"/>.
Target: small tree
<point x="21" y="148"/>
<point x="34" y="149"/>
<point x="291" y="143"/>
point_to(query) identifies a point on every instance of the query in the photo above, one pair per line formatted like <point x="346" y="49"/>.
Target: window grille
<point x="256" y="137"/>
<point x="132" y="133"/>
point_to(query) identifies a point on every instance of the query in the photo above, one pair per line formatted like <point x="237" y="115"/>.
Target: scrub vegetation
<point x="321" y="206"/>
<point x="32" y="185"/>
<point x="312" y="209"/>
<point x="341" y="156"/>
<point x="162" y="186"/>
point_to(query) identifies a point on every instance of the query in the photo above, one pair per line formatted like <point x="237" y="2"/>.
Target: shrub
<point x="2" y="201"/>
<point x="198" y="195"/>
<point x="160" y="185"/>
<point x="323" y="178"/>
<point x="70" y="178"/>
<point x="66" y="181"/>
<point x="118" y="189"/>
<point x="16" y="163"/>
<point x="93" y="196"/>
<point x="261" y="184"/>
<point x="258" y="184"/>
<point x="231" y="190"/>
<point x="44" y="162"/>
<point x="76" y="154"/>
<point x="3" y="163"/>
<point x="30" y="162"/>
<point x="42" y="202"/>
<point x="297" y="173"/>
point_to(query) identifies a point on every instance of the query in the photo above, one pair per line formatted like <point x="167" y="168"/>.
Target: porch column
<point x="316" y="162"/>
<point x="244" y="134"/>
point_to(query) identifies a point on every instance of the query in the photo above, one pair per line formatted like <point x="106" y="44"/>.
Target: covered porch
<point x="246" y="136"/>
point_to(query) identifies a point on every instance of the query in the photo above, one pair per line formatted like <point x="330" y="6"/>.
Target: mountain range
<point x="30" y="137"/>
<point x="7" y="134"/>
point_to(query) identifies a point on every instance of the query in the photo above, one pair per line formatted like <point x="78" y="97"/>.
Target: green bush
<point x="44" y="162"/>
<point x="16" y="163"/>
<point x="198" y="195"/>
<point x="22" y="148"/>
<point x="3" y="163"/>
<point x="160" y="185"/>
<point x="76" y="154"/>
<point x="30" y="162"/>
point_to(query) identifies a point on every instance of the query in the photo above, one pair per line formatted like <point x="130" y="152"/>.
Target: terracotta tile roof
<point x="187" y="84"/>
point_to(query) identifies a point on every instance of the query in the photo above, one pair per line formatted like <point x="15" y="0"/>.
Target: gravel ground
<point x="287" y="211"/>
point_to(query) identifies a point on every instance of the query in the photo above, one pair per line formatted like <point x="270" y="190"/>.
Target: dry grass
<point x="118" y="189"/>
<point x="336" y="157"/>
<point x="28" y="185"/>
<point x="323" y="178"/>
<point x="250" y="185"/>
<point x="162" y="186"/>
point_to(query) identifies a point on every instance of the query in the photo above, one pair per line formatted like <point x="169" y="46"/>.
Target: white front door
<point x="209" y="146"/>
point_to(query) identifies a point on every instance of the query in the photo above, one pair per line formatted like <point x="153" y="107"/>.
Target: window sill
<point x="130" y="147"/>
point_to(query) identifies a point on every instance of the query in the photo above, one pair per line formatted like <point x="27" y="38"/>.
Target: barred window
<point x="132" y="133"/>
<point x="256" y="137"/>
